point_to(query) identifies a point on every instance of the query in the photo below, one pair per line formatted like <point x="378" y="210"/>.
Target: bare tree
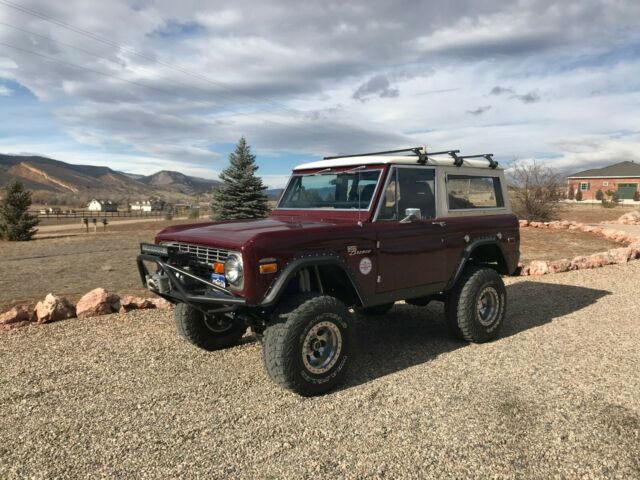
<point x="536" y="190"/>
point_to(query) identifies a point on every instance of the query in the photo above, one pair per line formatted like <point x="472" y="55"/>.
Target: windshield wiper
<point x="354" y="169"/>
<point x="320" y="172"/>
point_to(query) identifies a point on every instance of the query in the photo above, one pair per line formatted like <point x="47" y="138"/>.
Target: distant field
<point x="71" y="264"/>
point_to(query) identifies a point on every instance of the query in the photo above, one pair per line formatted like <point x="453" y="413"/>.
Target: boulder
<point x="578" y="263"/>
<point x="555" y="225"/>
<point x="523" y="223"/>
<point x="598" y="260"/>
<point x="129" y="302"/>
<point x="630" y="218"/>
<point x="161" y="303"/>
<point x="20" y="313"/>
<point x="11" y="326"/>
<point x="536" y="224"/>
<point x="557" y="266"/>
<point x="538" y="267"/>
<point x="565" y="224"/>
<point x="97" y="302"/>
<point x="54" y="308"/>
<point x="621" y="255"/>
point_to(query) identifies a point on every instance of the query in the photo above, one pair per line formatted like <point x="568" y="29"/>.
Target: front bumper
<point x="178" y="285"/>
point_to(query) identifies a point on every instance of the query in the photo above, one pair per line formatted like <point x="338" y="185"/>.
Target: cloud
<point x="531" y="97"/>
<point x="297" y="82"/>
<point x="5" y="91"/>
<point x="479" y="111"/>
<point x="378" y="86"/>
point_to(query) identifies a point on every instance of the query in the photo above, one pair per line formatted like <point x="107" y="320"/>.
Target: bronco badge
<point x="353" y="250"/>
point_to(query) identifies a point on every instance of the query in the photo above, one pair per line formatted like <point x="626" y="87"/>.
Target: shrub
<point x="194" y="213"/>
<point x="579" y="196"/>
<point x="636" y="196"/>
<point x="572" y="194"/>
<point x="168" y="213"/>
<point x="599" y="195"/>
<point x="537" y="190"/>
<point x="615" y="198"/>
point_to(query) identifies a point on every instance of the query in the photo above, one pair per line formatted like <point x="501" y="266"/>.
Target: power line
<point x="139" y="54"/>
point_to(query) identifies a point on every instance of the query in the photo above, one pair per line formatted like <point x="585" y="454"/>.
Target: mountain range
<point x="68" y="183"/>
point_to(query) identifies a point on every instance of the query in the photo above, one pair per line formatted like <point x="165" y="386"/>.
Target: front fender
<point x="292" y="268"/>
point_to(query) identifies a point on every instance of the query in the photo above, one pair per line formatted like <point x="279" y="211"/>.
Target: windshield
<point x="343" y="190"/>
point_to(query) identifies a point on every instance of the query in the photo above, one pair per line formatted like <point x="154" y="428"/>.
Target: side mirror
<point x="411" y="214"/>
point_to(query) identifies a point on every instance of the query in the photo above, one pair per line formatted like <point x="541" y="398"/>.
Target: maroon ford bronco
<point x="353" y="232"/>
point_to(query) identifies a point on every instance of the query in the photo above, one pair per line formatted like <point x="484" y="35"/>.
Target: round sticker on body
<point x="365" y="266"/>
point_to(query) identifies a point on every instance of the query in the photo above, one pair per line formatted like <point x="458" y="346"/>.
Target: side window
<point x="409" y="188"/>
<point x="468" y="191"/>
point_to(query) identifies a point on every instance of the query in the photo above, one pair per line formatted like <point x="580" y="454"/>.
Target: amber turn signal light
<point x="269" y="268"/>
<point x="218" y="267"/>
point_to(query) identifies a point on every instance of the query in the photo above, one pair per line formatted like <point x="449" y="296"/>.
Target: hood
<point x="234" y="234"/>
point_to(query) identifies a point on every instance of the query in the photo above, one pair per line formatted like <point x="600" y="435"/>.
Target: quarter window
<point x="409" y="188"/>
<point x="469" y="192"/>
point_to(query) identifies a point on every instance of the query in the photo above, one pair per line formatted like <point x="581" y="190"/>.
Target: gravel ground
<point x="122" y="396"/>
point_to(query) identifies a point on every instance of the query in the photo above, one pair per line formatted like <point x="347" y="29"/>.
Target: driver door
<point x="411" y="253"/>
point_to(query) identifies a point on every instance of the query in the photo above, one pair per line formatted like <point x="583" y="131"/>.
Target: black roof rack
<point x="422" y="153"/>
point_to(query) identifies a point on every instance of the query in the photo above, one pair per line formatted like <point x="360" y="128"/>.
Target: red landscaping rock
<point x="630" y="218"/>
<point x="54" y="308"/>
<point x="557" y="266"/>
<point x="97" y="302"/>
<point x="538" y="267"/>
<point x="12" y="326"/>
<point x="129" y="302"/>
<point x="161" y="303"/>
<point x="621" y="255"/>
<point x="18" y="314"/>
<point x="523" y="223"/>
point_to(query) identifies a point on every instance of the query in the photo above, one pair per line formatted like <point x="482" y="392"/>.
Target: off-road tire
<point x="376" y="311"/>
<point x="192" y="327"/>
<point x="464" y="305"/>
<point x="291" y="330"/>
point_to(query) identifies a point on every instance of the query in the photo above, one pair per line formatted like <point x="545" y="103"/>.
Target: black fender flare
<point x="468" y="250"/>
<point x="295" y="265"/>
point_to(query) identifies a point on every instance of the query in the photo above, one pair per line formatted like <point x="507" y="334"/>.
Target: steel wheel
<point x="218" y="323"/>
<point x="322" y="347"/>
<point x="487" y="306"/>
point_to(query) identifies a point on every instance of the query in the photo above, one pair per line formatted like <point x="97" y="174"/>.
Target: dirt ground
<point x="123" y="396"/>
<point x="543" y="244"/>
<point x="73" y="263"/>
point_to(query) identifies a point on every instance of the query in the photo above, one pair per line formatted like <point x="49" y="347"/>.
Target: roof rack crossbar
<point x="415" y="150"/>
<point x="489" y="156"/>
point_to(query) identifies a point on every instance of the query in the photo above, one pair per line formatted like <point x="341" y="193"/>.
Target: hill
<point x="55" y="181"/>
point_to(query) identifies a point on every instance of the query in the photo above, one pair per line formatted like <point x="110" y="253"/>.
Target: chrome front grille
<point x="203" y="258"/>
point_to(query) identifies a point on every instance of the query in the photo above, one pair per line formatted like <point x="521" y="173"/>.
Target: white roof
<point x="442" y="160"/>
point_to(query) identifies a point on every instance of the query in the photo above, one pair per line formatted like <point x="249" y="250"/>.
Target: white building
<point x="147" y="206"/>
<point x="102" y="206"/>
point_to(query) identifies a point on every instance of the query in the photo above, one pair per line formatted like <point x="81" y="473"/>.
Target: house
<point x="148" y="206"/>
<point x="622" y="178"/>
<point x="102" y="206"/>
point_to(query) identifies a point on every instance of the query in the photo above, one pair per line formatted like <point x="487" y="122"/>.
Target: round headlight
<point x="233" y="270"/>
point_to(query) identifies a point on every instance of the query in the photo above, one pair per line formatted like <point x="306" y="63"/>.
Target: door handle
<point x="442" y="224"/>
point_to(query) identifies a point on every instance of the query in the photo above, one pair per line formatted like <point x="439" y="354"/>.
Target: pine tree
<point x="16" y="223"/>
<point x="241" y="194"/>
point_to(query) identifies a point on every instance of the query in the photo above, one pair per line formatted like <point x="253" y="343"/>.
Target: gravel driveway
<point x="122" y="396"/>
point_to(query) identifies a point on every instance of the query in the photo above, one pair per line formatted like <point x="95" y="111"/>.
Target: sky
<point x="144" y="85"/>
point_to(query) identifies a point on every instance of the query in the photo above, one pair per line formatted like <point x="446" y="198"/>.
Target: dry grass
<point x="591" y="213"/>
<point x="72" y="264"/>
<point x="543" y="244"/>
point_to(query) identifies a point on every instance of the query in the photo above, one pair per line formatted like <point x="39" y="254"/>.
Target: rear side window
<point x="470" y="191"/>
